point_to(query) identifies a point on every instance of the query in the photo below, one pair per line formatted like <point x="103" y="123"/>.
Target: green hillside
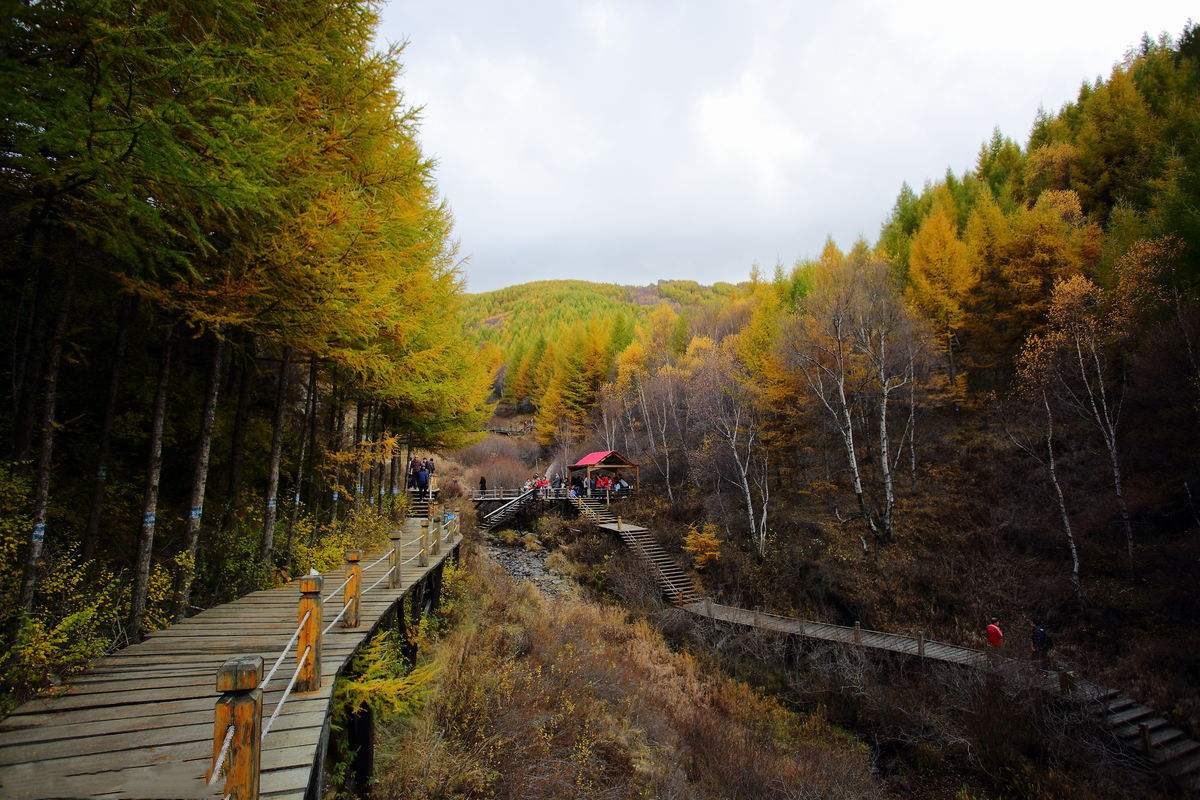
<point x="504" y="316"/>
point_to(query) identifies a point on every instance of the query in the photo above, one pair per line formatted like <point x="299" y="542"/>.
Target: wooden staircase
<point x="418" y="506"/>
<point x="595" y="510"/>
<point x="497" y="517"/>
<point x="1143" y="730"/>
<point x="676" y="586"/>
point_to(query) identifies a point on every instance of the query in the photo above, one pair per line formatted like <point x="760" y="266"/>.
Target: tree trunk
<point x="358" y="438"/>
<point x="1062" y="503"/>
<point x="141" y="579"/>
<point x="310" y="422"/>
<point x="41" y="497"/>
<point x="183" y="584"/>
<point x="885" y="459"/>
<point x="237" y="439"/>
<point x="268" y="533"/>
<point x="95" y="507"/>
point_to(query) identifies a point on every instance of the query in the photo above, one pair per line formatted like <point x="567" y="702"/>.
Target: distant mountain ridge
<point x="546" y="306"/>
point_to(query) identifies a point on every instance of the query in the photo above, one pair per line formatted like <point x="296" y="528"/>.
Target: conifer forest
<point x="238" y="321"/>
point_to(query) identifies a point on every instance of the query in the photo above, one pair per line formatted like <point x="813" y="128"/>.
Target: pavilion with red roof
<point x="605" y="461"/>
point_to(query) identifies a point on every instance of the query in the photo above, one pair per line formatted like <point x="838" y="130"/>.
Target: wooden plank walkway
<point x="139" y="723"/>
<point x="1167" y="748"/>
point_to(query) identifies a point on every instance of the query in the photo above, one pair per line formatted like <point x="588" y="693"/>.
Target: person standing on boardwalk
<point x="995" y="636"/>
<point x="482" y="484"/>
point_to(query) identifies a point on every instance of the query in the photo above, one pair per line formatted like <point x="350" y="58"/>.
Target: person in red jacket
<point x="995" y="636"/>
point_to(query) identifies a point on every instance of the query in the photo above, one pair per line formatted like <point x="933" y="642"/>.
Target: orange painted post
<point x="350" y="595"/>
<point x="423" y="560"/>
<point x="857" y="633"/>
<point x="239" y="706"/>
<point x="309" y="679"/>
<point x="921" y="644"/>
<point x="394" y="559"/>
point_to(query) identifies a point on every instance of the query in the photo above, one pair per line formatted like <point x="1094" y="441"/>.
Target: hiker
<point x="482" y="484"/>
<point x="1040" y="644"/>
<point x="995" y="636"/>
<point x="422" y="483"/>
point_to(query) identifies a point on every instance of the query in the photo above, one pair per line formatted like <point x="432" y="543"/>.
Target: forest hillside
<point x="991" y="409"/>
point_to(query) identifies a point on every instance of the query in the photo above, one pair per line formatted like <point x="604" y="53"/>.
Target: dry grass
<point x="568" y="699"/>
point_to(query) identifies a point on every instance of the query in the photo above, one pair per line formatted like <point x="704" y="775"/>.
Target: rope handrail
<point x="286" y="693"/>
<point x="341" y="586"/>
<point x="382" y="578"/>
<point x="340" y="614"/>
<point x="411" y="558"/>
<point x="377" y="561"/>
<point x="220" y="762"/>
<point x="282" y="653"/>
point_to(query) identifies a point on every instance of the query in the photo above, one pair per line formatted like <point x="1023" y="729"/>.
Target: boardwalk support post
<point x="309" y="677"/>
<point x="857" y="633"/>
<point x="1144" y="735"/>
<point x="423" y="560"/>
<point x="353" y="588"/>
<point x="619" y="528"/>
<point x="921" y="644"/>
<point x="394" y="559"/>
<point x="239" y="706"/>
<point x="1066" y="681"/>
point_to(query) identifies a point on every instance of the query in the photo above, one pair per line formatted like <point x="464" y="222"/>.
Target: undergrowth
<point x="569" y="699"/>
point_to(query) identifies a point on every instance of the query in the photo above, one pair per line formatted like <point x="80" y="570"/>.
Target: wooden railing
<point x="238" y="729"/>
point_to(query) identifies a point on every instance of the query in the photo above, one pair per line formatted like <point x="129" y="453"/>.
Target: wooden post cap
<point x="353" y="555"/>
<point x="311" y="584"/>
<point x="240" y="674"/>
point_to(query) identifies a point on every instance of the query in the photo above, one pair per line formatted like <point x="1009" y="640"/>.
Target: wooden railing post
<point x="1066" y="681"/>
<point x="309" y="678"/>
<point x="857" y="633"/>
<point x="437" y="533"/>
<point x="1144" y="735"/>
<point x="619" y="528"/>
<point x="423" y="560"/>
<point x="394" y="559"/>
<point x="239" y="706"/>
<point x="921" y="644"/>
<point x="353" y="586"/>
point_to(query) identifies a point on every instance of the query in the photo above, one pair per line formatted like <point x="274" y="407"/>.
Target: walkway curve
<point x="139" y="723"/>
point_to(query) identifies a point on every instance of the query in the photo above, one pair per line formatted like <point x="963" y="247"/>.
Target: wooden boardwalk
<point x="1167" y="748"/>
<point x="139" y="723"/>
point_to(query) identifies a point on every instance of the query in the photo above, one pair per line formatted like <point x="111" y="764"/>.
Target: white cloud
<point x="637" y="140"/>
<point x="742" y="128"/>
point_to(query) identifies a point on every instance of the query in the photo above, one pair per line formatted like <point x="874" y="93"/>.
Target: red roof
<point x="600" y="456"/>
<point x="593" y="458"/>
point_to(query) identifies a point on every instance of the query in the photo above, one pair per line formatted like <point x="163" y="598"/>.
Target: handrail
<point x="284" y="651"/>
<point x="241" y="726"/>
<point x="377" y="561"/>
<point x="286" y="692"/>
<point x="512" y="502"/>
<point x="219" y="762"/>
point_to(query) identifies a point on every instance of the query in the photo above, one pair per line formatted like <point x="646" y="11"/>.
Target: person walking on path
<point x="482" y="484"/>
<point x="422" y="483"/>
<point x="1040" y="644"/>
<point x="995" y="636"/>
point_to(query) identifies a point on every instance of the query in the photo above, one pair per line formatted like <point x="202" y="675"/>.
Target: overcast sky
<point x="628" y="142"/>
